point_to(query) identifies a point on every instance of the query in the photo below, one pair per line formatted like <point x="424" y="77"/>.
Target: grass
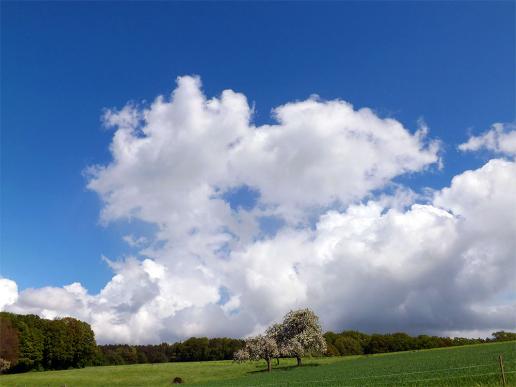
<point x="475" y="365"/>
<point x="144" y="374"/>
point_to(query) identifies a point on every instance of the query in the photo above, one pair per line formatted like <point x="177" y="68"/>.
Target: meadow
<point x="473" y="365"/>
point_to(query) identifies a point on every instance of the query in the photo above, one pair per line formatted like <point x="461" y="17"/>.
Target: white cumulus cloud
<point x="501" y="138"/>
<point x="8" y="292"/>
<point x="362" y="260"/>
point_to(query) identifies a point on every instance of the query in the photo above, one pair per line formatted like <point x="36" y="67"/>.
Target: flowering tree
<point x="241" y="355"/>
<point x="300" y="334"/>
<point x="275" y="332"/>
<point x="259" y="347"/>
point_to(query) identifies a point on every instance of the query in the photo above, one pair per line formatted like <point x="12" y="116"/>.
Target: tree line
<point x="357" y="343"/>
<point x="193" y="349"/>
<point x="28" y="342"/>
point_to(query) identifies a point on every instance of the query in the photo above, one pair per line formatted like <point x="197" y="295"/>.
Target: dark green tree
<point x="347" y="346"/>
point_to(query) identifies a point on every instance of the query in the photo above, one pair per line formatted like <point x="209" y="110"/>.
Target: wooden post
<point x="504" y="381"/>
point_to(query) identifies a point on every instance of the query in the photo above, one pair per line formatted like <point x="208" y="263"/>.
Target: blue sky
<point x="448" y="63"/>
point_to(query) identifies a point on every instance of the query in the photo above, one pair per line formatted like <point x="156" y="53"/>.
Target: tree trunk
<point x="277" y="361"/>
<point x="269" y="365"/>
<point x="298" y="361"/>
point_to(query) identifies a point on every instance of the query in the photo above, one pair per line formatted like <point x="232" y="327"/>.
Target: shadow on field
<point x="285" y="368"/>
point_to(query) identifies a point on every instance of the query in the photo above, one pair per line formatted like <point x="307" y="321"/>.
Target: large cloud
<point x="361" y="260"/>
<point x="180" y="154"/>
<point x="443" y="266"/>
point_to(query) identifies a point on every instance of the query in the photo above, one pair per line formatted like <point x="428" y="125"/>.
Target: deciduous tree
<point x="259" y="347"/>
<point x="301" y="334"/>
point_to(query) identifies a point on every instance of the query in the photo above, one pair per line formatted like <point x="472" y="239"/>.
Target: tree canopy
<point x="30" y="342"/>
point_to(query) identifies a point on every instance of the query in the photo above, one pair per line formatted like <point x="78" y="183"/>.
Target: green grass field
<point x="475" y="365"/>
